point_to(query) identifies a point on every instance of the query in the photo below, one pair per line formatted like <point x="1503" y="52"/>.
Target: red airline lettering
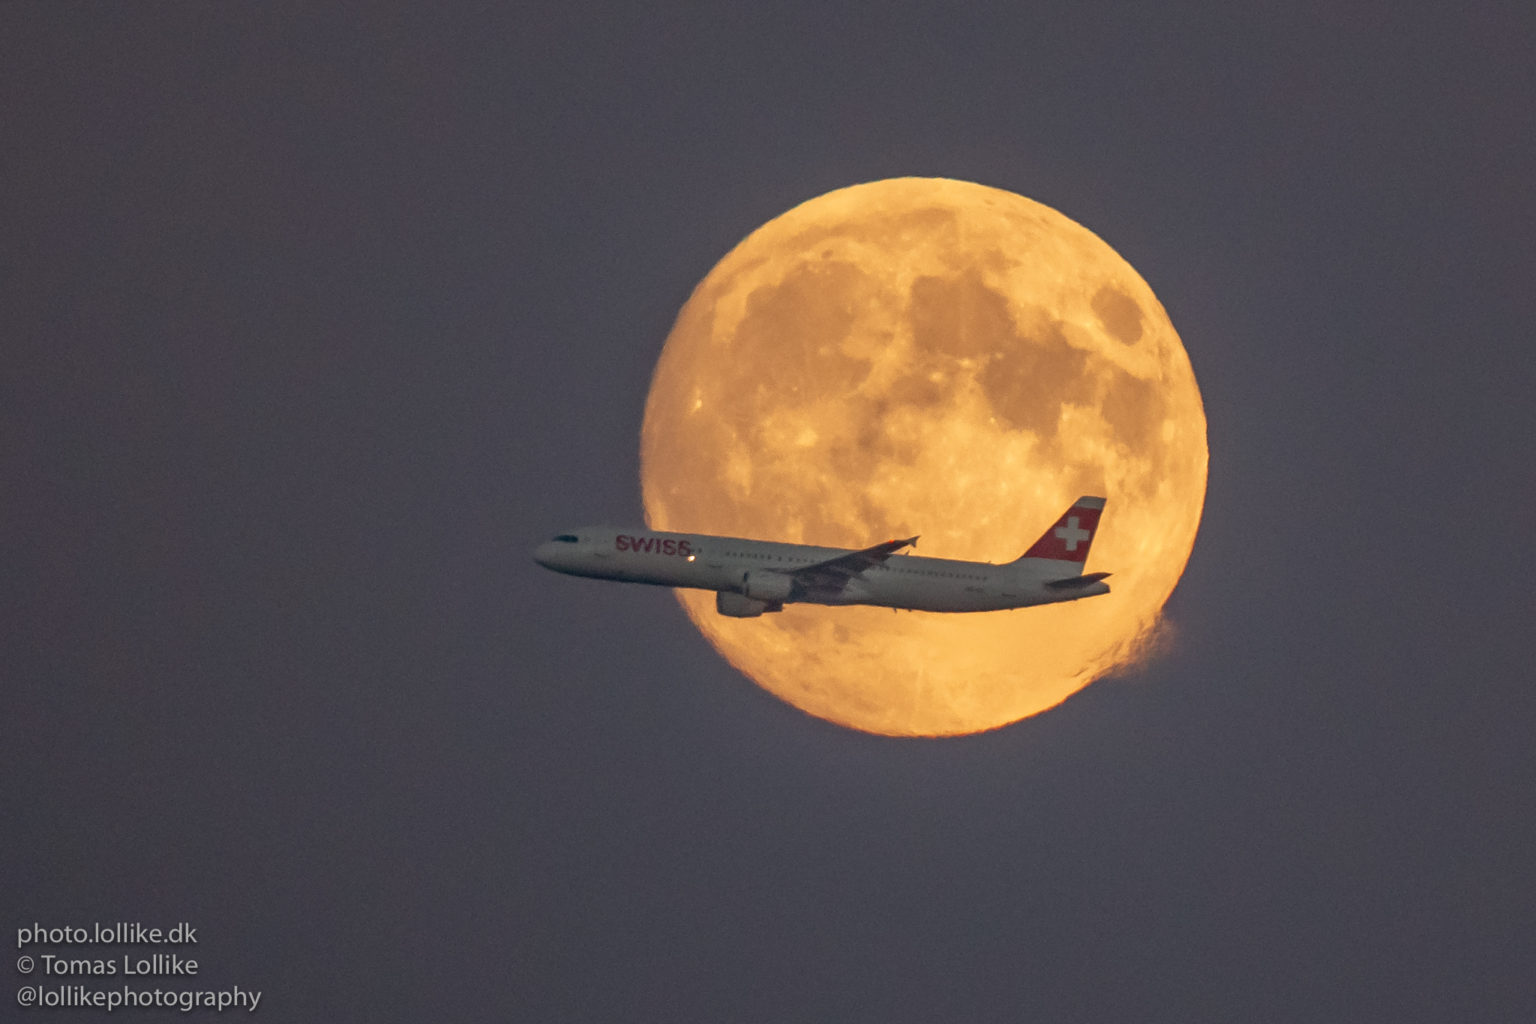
<point x="658" y="545"/>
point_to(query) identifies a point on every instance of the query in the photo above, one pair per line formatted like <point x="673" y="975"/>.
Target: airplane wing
<point x="834" y="573"/>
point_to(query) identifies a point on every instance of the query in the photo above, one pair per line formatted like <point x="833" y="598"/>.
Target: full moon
<point x="935" y="357"/>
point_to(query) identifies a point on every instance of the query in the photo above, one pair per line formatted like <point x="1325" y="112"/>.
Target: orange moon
<point x="935" y="357"/>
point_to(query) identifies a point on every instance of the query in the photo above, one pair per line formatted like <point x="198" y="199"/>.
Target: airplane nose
<point x="544" y="554"/>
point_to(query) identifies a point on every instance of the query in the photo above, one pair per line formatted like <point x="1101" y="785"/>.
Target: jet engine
<point x="767" y="585"/>
<point x="735" y="606"/>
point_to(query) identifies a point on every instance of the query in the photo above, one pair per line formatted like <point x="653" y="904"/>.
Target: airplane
<point x="753" y="577"/>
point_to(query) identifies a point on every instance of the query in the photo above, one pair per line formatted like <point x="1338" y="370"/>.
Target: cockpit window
<point x="567" y="538"/>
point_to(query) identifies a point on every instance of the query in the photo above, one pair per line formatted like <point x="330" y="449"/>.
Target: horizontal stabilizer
<point x="1077" y="581"/>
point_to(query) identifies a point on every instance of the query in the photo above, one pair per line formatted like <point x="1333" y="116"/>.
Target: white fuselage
<point x="735" y="565"/>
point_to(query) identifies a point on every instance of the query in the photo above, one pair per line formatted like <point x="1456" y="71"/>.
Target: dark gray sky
<point x="314" y="322"/>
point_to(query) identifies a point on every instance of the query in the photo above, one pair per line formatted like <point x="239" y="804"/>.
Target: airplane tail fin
<point x="1063" y="549"/>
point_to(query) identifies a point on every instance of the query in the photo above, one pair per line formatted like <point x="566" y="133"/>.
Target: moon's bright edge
<point x="935" y="357"/>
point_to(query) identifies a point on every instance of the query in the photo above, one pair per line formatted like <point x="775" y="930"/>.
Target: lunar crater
<point x="1119" y="313"/>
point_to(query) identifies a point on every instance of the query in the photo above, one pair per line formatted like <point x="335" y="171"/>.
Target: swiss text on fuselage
<point x="653" y="545"/>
